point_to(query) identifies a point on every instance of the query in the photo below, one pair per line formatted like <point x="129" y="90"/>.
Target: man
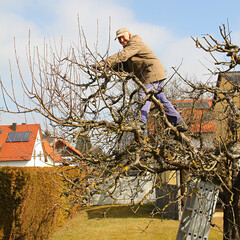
<point x="145" y="65"/>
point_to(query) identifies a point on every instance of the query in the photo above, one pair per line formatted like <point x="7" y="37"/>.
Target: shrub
<point x="33" y="201"/>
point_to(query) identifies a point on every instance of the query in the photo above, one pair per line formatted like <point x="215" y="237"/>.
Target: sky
<point x="165" y="25"/>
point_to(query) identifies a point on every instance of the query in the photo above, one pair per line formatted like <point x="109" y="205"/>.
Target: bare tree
<point x="212" y="45"/>
<point x="81" y="100"/>
<point x="228" y="140"/>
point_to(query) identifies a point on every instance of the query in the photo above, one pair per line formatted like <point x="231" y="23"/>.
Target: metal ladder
<point x="198" y="210"/>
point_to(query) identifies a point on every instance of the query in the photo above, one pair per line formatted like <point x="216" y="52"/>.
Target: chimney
<point x="14" y="126"/>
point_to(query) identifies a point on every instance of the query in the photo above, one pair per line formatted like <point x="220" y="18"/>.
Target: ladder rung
<point x="189" y="209"/>
<point x="184" y="220"/>
<point x="184" y="230"/>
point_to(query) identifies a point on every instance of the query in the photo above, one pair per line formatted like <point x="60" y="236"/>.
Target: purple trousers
<point x="173" y="116"/>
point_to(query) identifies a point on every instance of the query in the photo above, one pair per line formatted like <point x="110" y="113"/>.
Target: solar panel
<point x="18" y="136"/>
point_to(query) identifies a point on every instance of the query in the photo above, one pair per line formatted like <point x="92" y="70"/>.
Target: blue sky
<point x="187" y="17"/>
<point x="184" y="17"/>
<point x="165" y="25"/>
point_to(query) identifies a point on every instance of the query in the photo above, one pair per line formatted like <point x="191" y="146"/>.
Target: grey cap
<point x="120" y="32"/>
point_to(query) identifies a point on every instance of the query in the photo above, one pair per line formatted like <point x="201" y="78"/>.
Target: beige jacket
<point x="140" y="60"/>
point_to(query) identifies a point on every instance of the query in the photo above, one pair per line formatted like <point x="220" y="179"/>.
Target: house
<point x="23" y="146"/>
<point x="226" y="81"/>
<point x="210" y="116"/>
<point x="67" y="152"/>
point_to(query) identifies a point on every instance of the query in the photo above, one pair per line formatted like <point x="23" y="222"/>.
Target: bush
<point x="33" y="201"/>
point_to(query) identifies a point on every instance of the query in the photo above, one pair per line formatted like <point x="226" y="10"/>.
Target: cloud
<point x="236" y="37"/>
<point x="93" y="15"/>
<point x="192" y="60"/>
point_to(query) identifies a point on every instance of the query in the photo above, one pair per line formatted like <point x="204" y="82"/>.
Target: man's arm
<point x="129" y="51"/>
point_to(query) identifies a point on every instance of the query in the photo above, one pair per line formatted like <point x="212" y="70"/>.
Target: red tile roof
<point x="198" y="113"/>
<point x="49" y="151"/>
<point x="10" y="151"/>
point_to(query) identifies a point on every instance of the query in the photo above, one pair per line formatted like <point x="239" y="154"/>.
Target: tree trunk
<point x="236" y="192"/>
<point x="231" y="218"/>
<point x="227" y="220"/>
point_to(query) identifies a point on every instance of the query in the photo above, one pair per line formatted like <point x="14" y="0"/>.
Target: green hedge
<point x="33" y="201"/>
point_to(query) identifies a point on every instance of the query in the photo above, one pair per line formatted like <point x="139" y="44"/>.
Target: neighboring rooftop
<point x="51" y="152"/>
<point x="197" y="113"/>
<point x="190" y="103"/>
<point x="17" y="141"/>
<point x="61" y="144"/>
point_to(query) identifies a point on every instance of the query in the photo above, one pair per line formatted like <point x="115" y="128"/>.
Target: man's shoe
<point x="182" y="126"/>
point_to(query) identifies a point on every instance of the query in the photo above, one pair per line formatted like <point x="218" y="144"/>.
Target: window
<point x="18" y="136"/>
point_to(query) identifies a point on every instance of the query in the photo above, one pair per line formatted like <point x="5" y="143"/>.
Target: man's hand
<point x="98" y="65"/>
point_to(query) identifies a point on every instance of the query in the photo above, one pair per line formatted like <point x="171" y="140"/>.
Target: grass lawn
<point x="119" y="223"/>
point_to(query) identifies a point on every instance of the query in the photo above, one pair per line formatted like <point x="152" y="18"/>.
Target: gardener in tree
<point x="145" y="65"/>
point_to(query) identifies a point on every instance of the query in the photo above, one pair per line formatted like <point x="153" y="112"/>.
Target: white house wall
<point x="37" y="159"/>
<point x="14" y="163"/>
